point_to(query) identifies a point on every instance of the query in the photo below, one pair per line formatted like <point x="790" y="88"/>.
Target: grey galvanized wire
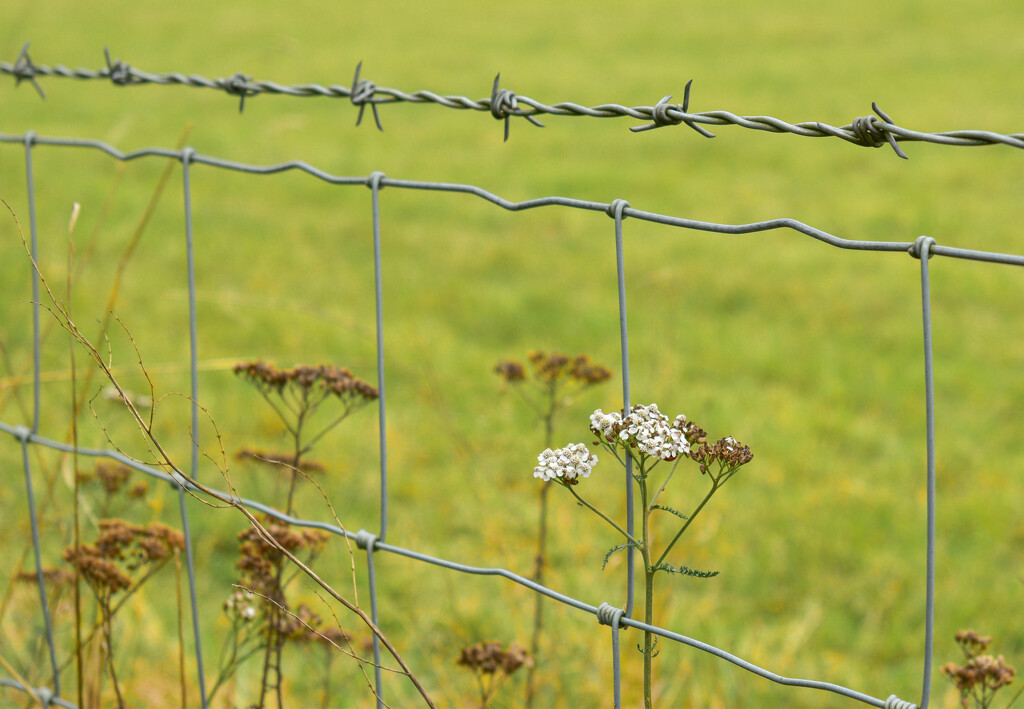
<point x="43" y="694"/>
<point x="38" y="555"/>
<point x="36" y="409"/>
<point x="369" y="541"/>
<point x="617" y="209"/>
<point x="921" y="250"/>
<point x="873" y="130"/>
<point x="193" y="351"/>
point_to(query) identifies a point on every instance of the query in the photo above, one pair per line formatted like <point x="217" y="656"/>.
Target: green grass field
<point x="809" y="354"/>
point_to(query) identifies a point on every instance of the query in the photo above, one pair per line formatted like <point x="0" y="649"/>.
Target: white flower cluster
<point x="644" y="428"/>
<point x="240" y="602"/>
<point x="570" y="463"/>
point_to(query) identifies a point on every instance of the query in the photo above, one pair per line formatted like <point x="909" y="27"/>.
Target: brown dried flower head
<point x="328" y="378"/>
<point x="258" y="560"/>
<point x="729" y="453"/>
<point x="488" y="658"/>
<point x="510" y="371"/>
<point x="120" y="549"/>
<point x="110" y="476"/>
<point x="982" y="672"/>
<point x="100" y="573"/>
<point x="971" y="642"/>
<point x="550" y="367"/>
<point x="982" y="675"/>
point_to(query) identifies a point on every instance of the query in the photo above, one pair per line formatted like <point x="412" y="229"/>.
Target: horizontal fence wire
<point x="923" y="248"/>
<point x="873" y="130"/>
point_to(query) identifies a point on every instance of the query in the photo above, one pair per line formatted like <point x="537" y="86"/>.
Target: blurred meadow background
<point x="810" y="355"/>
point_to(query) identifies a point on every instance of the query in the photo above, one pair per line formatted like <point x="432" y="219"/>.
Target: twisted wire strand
<point x="503" y="104"/>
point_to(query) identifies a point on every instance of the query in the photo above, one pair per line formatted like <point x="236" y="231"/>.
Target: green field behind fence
<point x="809" y="354"/>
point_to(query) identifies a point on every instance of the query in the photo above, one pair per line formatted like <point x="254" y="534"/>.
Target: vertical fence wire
<point x="36" y="382"/>
<point x="374" y="183"/>
<point x="186" y="158"/>
<point x="368" y="541"/>
<point x="611" y="616"/>
<point x="34" y="523"/>
<point x="922" y="247"/>
<point x="30" y="186"/>
<point x="615" y="209"/>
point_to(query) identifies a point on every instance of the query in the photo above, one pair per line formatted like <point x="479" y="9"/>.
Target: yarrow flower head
<point x="567" y="464"/>
<point x="645" y="429"/>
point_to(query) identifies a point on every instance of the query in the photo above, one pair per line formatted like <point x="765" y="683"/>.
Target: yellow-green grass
<point x="810" y="354"/>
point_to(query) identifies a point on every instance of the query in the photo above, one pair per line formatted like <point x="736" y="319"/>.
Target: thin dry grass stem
<point x="18" y="678"/>
<point x="337" y="521"/>
<point x="65" y="320"/>
<point x="351" y="653"/>
<point x="126" y="256"/>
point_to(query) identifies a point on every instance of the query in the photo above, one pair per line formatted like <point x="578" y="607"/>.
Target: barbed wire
<point x="873" y="130"/>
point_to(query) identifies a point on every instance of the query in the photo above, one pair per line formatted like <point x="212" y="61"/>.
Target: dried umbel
<point x="489" y="657"/>
<point x="100" y="573"/>
<point x="552" y="367"/>
<point x="982" y="675"/>
<point x="727" y="452"/>
<point x="110" y="476"/>
<point x="260" y="562"/>
<point x="113" y="478"/>
<point x="327" y="379"/>
<point x="121" y="549"/>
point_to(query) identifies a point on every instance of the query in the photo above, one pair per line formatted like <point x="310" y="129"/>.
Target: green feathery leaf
<point x="684" y="570"/>
<point x="677" y="513"/>
<point x="611" y="551"/>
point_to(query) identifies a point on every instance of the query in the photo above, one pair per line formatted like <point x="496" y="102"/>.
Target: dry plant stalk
<point x="193" y="486"/>
<point x="553" y="382"/>
<point x="295" y="395"/>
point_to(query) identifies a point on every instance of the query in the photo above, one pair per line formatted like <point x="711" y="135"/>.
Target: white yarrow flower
<point x="644" y="428"/>
<point x="570" y="463"/>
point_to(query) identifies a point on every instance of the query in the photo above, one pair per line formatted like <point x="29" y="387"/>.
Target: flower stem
<point x="629" y="537"/>
<point x="645" y="552"/>
<point x="714" y="488"/>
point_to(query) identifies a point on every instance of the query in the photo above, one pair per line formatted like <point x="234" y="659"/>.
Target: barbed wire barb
<point x="119" y="73"/>
<point x="25" y="70"/>
<point x="868" y="131"/>
<point x="661" y="116"/>
<point x="504" y="104"/>
<point x="239" y="85"/>
<point x="362" y="94"/>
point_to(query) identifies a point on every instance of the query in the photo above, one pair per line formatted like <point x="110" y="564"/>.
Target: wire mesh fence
<point x="614" y="613"/>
